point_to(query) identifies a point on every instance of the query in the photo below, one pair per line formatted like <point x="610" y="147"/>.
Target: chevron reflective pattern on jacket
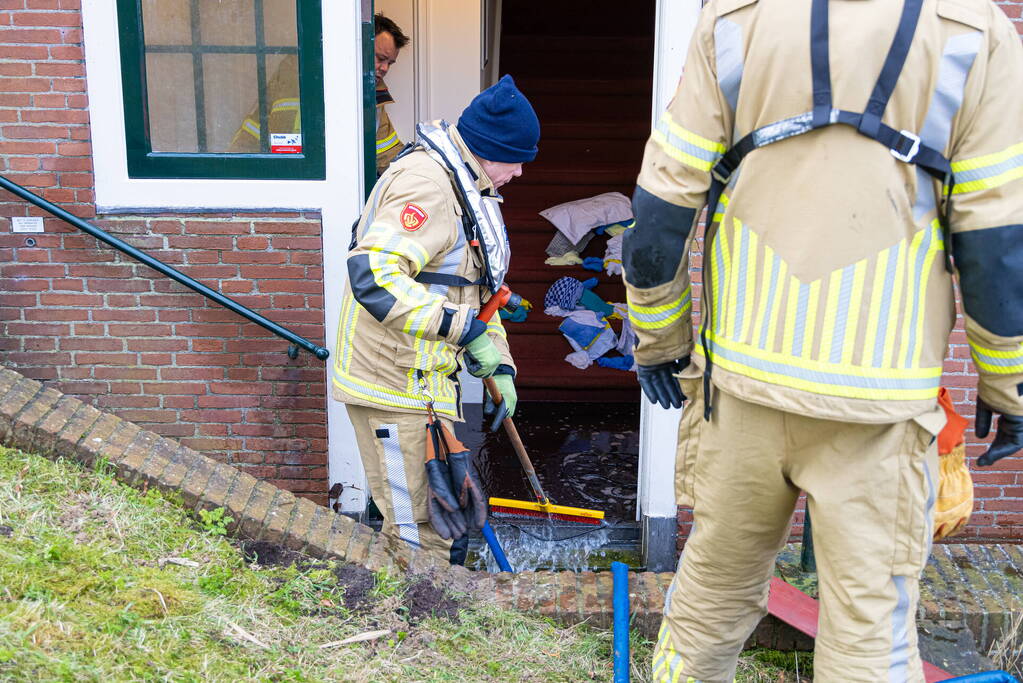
<point x="857" y="332"/>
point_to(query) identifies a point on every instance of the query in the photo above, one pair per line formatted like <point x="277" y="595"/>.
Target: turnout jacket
<point x="388" y="142"/>
<point x="393" y="329"/>
<point x="826" y="268"/>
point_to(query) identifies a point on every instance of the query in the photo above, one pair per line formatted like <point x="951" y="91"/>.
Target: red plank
<point x="799" y="610"/>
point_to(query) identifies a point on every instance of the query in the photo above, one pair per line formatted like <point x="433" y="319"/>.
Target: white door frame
<point x="658" y="427"/>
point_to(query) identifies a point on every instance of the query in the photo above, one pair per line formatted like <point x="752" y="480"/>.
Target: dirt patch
<point x="268" y="554"/>
<point x="6" y="530"/>
<point x="358" y="583"/>
<point x="424" y="599"/>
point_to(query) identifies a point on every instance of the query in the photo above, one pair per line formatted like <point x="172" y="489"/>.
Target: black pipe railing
<point x="174" y="274"/>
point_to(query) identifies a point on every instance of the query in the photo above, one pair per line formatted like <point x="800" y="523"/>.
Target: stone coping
<point x="967" y="584"/>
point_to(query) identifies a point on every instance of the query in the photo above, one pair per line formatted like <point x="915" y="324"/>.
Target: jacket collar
<point x="483" y="181"/>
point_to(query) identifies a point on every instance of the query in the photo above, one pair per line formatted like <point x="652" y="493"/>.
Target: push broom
<point x="543" y="507"/>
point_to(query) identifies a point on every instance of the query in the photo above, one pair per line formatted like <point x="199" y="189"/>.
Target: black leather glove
<point x="442" y="508"/>
<point x="660" y="384"/>
<point x="467" y="487"/>
<point x="1008" y="438"/>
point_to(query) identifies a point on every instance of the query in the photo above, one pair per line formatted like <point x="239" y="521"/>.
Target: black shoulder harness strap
<point x="904" y="145"/>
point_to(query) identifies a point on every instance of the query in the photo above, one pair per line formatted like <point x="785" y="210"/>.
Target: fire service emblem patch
<point x="413" y="217"/>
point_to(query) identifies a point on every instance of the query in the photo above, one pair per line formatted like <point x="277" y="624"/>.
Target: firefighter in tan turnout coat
<point x="845" y="171"/>
<point x="417" y="270"/>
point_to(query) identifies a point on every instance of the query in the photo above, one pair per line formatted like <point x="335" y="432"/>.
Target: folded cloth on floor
<point x="592" y="263"/>
<point x="568" y="294"/>
<point x="617" y="362"/>
<point x="577" y="218"/>
<point x="519" y="316"/>
<point x="613" y="255"/>
<point x="589" y="335"/>
<point x="569" y="258"/>
<point x="561" y="245"/>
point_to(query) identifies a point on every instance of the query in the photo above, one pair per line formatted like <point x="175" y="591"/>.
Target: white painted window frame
<point x="338" y="198"/>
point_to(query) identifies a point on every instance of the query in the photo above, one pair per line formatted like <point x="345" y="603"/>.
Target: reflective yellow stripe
<point x="988" y="171"/>
<point x="772" y="328"/>
<point x="937" y="245"/>
<point x="251" y="127"/>
<point x="830" y="312"/>
<point x="733" y="259"/>
<point x="285" y="104"/>
<point x="912" y="285"/>
<point x="686" y="146"/>
<point x="766" y="275"/>
<point x="789" y="331"/>
<point x="876" y="297"/>
<point x="494" y="325"/>
<point x="388" y="142"/>
<point x="894" y="309"/>
<point x="657" y="317"/>
<point x="723" y="203"/>
<point x="997" y="361"/>
<point x="750" y="275"/>
<point x="396" y="243"/>
<point x="853" y="316"/>
<point x="810" y="324"/>
<point x="826" y="378"/>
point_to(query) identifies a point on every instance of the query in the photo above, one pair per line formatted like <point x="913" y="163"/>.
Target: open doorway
<point x="587" y="67"/>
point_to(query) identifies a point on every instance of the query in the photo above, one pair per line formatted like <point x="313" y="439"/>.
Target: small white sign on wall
<point x="23" y="224"/>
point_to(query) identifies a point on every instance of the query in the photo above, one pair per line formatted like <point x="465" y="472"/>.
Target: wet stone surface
<point x="585" y="454"/>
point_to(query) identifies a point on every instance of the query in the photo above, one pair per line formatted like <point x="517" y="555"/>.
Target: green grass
<point x="87" y="594"/>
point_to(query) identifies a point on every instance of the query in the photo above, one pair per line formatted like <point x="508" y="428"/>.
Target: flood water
<point x="585" y="454"/>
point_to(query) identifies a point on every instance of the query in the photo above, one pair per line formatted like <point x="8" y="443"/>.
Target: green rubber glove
<point x="506" y="385"/>
<point x="481" y="356"/>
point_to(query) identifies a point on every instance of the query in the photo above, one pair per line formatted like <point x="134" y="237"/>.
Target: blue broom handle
<point x="620" y="600"/>
<point x="495" y="548"/>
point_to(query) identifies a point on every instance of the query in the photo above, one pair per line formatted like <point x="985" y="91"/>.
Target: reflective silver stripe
<point x="388" y="398"/>
<point x="989" y="171"/>
<point x="678" y="307"/>
<point x="842" y="315"/>
<point x="917" y="293"/>
<point x="681" y="144"/>
<point x="401" y="500"/>
<point x="1007" y="362"/>
<point x="886" y="304"/>
<point x="802" y="303"/>
<point x="956" y="61"/>
<point x="820" y="377"/>
<point x="898" y="666"/>
<point x="728" y="48"/>
<point x="929" y="514"/>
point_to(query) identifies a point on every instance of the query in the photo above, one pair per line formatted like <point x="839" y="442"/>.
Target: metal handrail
<point x="173" y="273"/>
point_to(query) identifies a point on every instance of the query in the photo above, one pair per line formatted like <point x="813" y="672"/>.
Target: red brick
<point x="251" y="242"/>
<point x="201" y="373"/>
<point x="88" y="358"/>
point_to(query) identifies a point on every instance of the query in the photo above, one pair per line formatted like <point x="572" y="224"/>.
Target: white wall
<point x="676" y="21"/>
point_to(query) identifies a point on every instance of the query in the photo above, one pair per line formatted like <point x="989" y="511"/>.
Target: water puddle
<point x="585" y="454"/>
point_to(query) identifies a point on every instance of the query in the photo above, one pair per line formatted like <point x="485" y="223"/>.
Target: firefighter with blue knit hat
<point x="427" y="251"/>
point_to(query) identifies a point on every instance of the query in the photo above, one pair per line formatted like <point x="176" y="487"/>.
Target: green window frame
<point x="143" y="162"/>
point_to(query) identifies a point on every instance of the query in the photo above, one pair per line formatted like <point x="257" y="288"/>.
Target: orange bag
<point x="955" y="487"/>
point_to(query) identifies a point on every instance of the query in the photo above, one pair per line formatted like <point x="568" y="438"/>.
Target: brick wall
<point x="102" y="327"/>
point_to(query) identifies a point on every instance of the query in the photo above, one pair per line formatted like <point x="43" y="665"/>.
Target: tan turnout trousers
<point x="870" y="489"/>
<point x="393" y="447"/>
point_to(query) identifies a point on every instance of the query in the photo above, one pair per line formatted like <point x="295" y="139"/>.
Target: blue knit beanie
<point x="500" y="124"/>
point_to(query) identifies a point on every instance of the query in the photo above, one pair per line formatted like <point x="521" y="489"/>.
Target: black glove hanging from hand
<point x="660" y="384"/>
<point x="1008" y="438"/>
<point x="442" y="508"/>
<point x="468" y="489"/>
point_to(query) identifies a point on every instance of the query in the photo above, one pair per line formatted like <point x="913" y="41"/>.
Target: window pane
<point x="222" y="76"/>
<point x="229" y="22"/>
<point x="171" y="103"/>
<point x="279" y="23"/>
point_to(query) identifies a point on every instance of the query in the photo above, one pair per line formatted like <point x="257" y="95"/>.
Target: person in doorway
<point x="388" y="43"/>
<point x="827" y="304"/>
<point x="282" y="93"/>
<point x="429" y="238"/>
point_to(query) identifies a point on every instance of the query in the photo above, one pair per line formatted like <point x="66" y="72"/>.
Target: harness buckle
<point x="911" y="154"/>
<point x="721" y="172"/>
